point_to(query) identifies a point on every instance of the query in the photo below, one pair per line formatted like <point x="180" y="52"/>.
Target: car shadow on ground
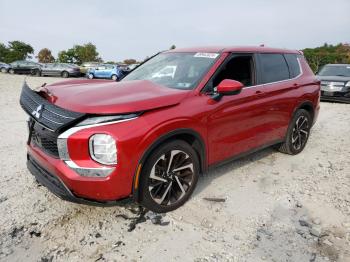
<point x="206" y="179"/>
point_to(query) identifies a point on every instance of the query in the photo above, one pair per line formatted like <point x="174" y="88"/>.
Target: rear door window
<point x="273" y="68"/>
<point x="293" y="64"/>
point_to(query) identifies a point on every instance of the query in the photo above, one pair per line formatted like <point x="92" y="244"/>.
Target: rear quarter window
<point x="273" y="68"/>
<point x="293" y="64"/>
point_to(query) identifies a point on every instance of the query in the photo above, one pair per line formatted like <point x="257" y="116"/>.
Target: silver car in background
<point x="335" y="82"/>
<point x="60" y="69"/>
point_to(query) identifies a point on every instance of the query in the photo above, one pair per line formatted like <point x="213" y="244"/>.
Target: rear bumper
<point x="57" y="186"/>
<point x="337" y="96"/>
<point x="75" y="73"/>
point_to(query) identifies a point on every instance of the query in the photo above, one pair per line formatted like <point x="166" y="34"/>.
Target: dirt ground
<point x="273" y="207"/>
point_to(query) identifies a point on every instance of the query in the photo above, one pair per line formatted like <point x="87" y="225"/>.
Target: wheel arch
<point x="308" y="106"/>
<point x="190" y="136"/>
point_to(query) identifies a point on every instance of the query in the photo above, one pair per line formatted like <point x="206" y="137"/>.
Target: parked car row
<point x="88" y="69"/>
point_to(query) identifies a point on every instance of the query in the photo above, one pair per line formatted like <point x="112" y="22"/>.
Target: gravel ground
<point x="270" y="206"/>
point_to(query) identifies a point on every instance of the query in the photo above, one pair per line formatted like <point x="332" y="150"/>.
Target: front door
<point x="236" y="122"/>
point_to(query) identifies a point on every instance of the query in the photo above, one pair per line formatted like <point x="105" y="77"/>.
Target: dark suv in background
<point x="25" y="67"/>
<point x="335" y="82"/>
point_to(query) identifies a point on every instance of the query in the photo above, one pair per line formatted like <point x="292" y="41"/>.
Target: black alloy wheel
<point x="169" y="177"/>
<point x="298" y="133"/>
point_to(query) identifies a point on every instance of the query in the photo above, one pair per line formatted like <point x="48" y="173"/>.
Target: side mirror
<point x="228" y="87"/>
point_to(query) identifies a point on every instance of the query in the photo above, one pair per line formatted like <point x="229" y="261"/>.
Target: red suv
<point x="179" y="113"/>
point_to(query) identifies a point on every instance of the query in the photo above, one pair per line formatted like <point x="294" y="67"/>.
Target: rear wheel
<point x="169" y="176"/>
<point x="298" y="133"/>
<point x="65" y="74"/>
<point x="11" y="71"/>
<point x="35" y="72"/>
<point x="114" y="77"/>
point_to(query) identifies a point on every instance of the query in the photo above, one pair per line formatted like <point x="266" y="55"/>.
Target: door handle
<point x="259" y="93"/>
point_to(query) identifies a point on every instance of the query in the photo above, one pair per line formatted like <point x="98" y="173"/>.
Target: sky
<point x="139" y="28"/>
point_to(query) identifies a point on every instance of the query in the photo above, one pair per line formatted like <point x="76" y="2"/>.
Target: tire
<point x="159" y="186"/>
<point x="297" y="134"/>
<point x="11" y="71"/>
<point x="90" y="76"/>
<point x="35" y="72"/>
<point x="3" y="70"/>
<point x="65" y="74"/>
<point x="114" y="77"/>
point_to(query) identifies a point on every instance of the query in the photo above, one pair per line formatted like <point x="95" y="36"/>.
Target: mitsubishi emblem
<point x="38" y="111"/>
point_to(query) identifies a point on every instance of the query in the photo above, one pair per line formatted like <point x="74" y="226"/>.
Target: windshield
<point x="174" y="70"/>
<point x="335" y="70"/>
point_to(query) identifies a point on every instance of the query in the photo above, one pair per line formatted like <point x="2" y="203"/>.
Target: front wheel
<point x="3" y="70"/>
<point x="11" y="71"/>
<point x="169" y="177"/>
<point x="298" y="133"/>
<point x="90" y="76"/>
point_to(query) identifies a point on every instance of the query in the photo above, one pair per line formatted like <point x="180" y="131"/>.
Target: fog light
<point x="103" y="149"/>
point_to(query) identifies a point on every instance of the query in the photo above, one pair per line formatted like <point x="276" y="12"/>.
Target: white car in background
<point x="168" y="71"/>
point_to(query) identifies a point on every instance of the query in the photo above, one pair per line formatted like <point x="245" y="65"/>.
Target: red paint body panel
<point x="109" y="97"/>
<point x="257" y="116"/>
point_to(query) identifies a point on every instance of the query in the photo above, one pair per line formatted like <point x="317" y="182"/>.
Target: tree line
<point x="78" y="54"/>
<point x="327" y="54"/>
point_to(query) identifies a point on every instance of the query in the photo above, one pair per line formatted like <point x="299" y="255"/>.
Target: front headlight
<point x="103" y="149"/>
<point x="348" y="84"/>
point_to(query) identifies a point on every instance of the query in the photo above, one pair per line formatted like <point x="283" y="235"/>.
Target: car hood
<point x="107" y="97"/>
<point x="333" y="78"/>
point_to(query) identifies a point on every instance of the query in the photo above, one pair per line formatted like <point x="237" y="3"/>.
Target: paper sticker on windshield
<point x="207" y="55"/>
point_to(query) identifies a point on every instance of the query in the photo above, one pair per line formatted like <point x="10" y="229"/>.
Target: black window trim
<point x="257" y="70"/>
<point x="289" y="79"/>
<point x="206" y="88"/>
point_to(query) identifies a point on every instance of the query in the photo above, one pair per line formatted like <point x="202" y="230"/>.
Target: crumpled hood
<point x="107" y="97"/>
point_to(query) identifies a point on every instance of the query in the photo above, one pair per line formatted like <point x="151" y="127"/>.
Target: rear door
<point x="276" y="86"/>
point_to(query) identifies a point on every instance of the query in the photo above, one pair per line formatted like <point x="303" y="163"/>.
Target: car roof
<point x="223" y="49"/>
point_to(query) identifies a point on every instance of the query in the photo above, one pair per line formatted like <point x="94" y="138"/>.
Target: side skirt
<point x="231" y="159"/>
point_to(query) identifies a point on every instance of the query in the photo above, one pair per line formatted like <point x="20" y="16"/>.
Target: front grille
<point x="45" y="139"/>
<point x="330" y="83"/>
<point x="46" y="113"/>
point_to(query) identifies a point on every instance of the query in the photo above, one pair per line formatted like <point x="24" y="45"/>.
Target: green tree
<point x="327" y="54"/>
<point x="15" y="50"/>
<point x="79" y="54"/>
<point x="3" y="53"/>
<point x="129" y="61"/>
<point x="19" y="50"/>
<point x="67" y="56"/>
<point x="45" y="56"/>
